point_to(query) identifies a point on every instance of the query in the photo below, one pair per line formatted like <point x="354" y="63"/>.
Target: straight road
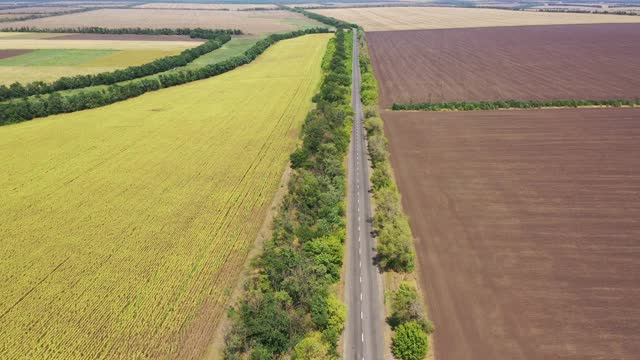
<point x="365" y="317"/>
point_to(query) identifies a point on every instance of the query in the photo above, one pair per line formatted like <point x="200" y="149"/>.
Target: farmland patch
<point x="527" y="226"/>
<point x="409" y="18"/>
<point x="250" y="22"/>
<point x="556" y="62"/>
<point x="5" y="54"/>
<point x="53" y="57"/>
<point x="141" y="213"/>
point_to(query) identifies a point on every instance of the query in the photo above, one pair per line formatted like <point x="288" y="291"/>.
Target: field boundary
<point x="514" y="105"/>
<point x="216" y="38"/>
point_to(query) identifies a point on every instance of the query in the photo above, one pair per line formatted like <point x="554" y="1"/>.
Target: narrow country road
<point x="365" y="317"/>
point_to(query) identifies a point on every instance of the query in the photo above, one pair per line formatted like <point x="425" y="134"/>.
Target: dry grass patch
<point x="408" y="18"/>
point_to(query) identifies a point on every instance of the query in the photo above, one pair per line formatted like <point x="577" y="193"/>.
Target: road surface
<point x="365" y="317"/>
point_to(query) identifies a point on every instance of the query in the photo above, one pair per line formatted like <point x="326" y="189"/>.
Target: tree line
<point x="369" y="85"/>
<point x="338" y="24"/>
<point x="394" y="239"/>
<point x="217" y="38"/>
<point x="289" y="306"/>
<point x="40" y="106"/>
<point x="513" y="104"/>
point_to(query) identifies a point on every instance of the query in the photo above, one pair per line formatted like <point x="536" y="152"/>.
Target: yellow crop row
<point x="125" y="227"/>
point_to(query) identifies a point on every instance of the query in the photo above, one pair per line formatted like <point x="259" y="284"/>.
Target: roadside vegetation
<point x="289" y="305"/>
<point x="515" y="104"/>
<point x="396" y="254"/>
<point x="55" y="103"/>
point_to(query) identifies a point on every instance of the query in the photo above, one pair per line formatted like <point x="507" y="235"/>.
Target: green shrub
<point x="312" y="348"/>
<point x="410" y="342"/>
<point x="406" y="306"/>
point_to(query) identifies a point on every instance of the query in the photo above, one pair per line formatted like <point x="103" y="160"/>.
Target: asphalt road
<point x="365" y="317"/>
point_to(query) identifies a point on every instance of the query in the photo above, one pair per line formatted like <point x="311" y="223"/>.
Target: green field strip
<point x="51" y="57"/>
<point x="235" y="47"/>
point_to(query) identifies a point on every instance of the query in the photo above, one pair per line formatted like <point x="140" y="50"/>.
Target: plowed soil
<point x="522" y="63"/>
<point x="11" y="53"/>
<point x="527" y="227"/>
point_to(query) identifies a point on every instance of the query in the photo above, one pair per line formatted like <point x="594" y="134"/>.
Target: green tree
<point x="312" y="348"/>
<point x="337" y="316"/>
<point x="410" y="342"/>
<point x="405" y="306"/>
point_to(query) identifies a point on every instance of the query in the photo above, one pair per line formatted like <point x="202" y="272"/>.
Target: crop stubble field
<point x="552" y="62"/>
<point x="413" y="18"/>
<point x="527" y="225"/>
<point x="250" y="22"/>
<point x="141" y="213"/>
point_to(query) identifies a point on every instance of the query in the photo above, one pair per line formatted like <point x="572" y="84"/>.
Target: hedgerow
<point x="513" y="104"/>
<point x="288" y="305"/>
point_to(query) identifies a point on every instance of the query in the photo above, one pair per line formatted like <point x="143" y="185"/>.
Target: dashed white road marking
<point x="361" y="315"/>
<point x="363" y="336"/>
<point x="360" y="279"/>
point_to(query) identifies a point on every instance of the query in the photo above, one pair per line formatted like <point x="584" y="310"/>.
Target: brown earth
<point x="125" y="37"/>
<point x="527" y="227"/>
<point x="523" y="63"/>
<point x="11" y="53"/>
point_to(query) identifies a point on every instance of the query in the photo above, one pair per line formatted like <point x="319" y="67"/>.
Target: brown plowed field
<point x="523" y="63"/>
<point x="11" y="53"/>
<point x="527" y="227"/>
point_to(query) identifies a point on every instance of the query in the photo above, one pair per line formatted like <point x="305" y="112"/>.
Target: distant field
<point x="522" y="63"/>
<point x="37" y="10"/>
<point x="204" y="6"/>
<point x="8" y="43"/>
<point x="11" y="16"/>
<point x="409" y="18"/>
<point x="235" y="47"/>
<point x="140" y="214"/>
<point x="251" y="22"/>
<point x="527" y="225"/>
<point x="55" y="58"/>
